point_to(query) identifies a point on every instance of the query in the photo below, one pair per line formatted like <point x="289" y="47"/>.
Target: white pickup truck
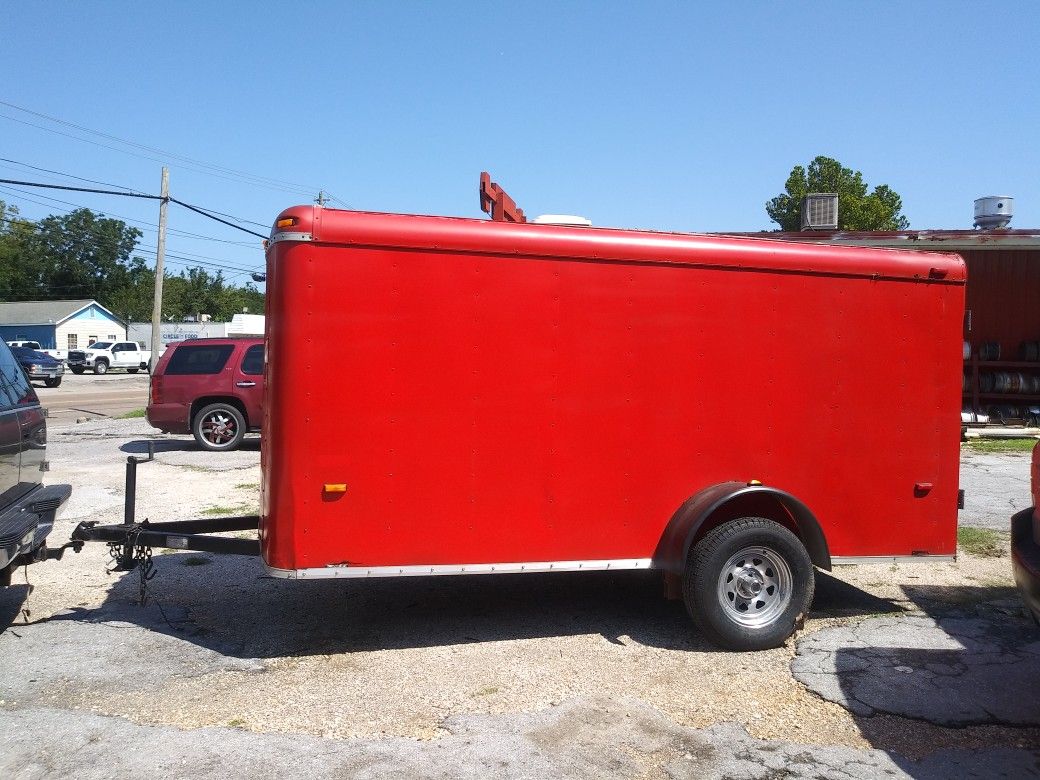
<point x="101" y="356"/>
<point x="57" y="354"/>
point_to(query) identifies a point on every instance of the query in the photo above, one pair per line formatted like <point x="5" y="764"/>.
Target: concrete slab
<point x="952" y="671"/>
<point x="580" y="739"/>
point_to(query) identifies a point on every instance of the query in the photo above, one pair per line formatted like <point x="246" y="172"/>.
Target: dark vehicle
<point x="1025" y="543"/>
<point x="27" y="508"/>
<point x="211" y="388"/>
<point x="39" y="366"/>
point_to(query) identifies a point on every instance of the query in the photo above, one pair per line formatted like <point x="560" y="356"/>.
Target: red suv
<point x="212" y="388"/>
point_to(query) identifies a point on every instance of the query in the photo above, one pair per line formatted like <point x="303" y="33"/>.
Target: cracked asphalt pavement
<point x="915" y="670"/>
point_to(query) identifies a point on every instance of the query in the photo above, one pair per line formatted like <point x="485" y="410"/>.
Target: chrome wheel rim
<point x="755" y="587"/>
<point x="218" y="428"/>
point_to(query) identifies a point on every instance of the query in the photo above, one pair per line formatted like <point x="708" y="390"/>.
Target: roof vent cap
<point x="820" y="211"/>
<point x="994" y="211"/>
<point x="562" y="219"/>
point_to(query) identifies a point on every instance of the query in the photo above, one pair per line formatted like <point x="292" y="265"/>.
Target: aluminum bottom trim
<point x="356" y="572"/>
<point x="853" y="560"/>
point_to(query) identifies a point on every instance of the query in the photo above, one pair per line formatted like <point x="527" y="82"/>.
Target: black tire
<point x="100" y="367"/>
<point x="748" y="584"/>
<point x="76" y="370"/>
<point x="218" y="427"/>
<point x="52" y="382"/>
<point x="131" y="371"/>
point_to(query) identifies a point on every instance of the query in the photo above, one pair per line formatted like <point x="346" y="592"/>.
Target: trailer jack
<point x="131" y="542"/>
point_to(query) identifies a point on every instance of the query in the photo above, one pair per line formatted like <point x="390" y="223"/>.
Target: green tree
<point x="19" y="272"/>
<point x="880" y="209"/>
<point x="87" y="255"/>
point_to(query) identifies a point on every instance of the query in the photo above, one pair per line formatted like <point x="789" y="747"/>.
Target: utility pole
<point x="320" y="200"/>
<point x="160" y="255"/>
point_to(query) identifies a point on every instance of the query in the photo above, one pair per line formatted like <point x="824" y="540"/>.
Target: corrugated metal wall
<point x="1003" y="294"/>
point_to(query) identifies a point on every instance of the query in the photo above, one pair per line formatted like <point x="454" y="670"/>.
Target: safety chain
<point x="141" y="559"/>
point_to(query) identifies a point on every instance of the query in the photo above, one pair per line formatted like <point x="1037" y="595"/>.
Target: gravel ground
<point x="383" y="672"/>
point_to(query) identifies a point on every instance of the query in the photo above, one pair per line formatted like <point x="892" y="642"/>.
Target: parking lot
<point x="88" y="396"/>
<point x="922" y="670"/>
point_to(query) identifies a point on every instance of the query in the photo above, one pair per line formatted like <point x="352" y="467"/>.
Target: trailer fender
<point x="727" y="501"/>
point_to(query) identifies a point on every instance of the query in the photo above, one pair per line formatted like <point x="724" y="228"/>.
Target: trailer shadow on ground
<point x="959" y="671"/>
<point x="227" y="604"/>
<point x="186" y="444"/>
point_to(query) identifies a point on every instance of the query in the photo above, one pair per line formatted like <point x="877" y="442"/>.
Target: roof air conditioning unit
<point x="820" y="211"/>
<point x="562" y="219"/>
<point x="993" y="211"/>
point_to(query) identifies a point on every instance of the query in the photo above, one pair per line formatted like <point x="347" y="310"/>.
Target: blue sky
<point x="674" y="116"/>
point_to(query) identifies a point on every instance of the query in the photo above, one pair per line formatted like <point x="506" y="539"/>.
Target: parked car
<point x="1025" y="543"/>
<point x="39" y="365"/>
<point x="104" y="355"/>
<point x="212" y="388"/>
<point x="27" y="508"/>
<point x="57" y="354"/>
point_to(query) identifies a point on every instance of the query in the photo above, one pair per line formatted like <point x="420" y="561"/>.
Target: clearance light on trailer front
<point x="334" y="487"/>
<point x="286" y="222"/>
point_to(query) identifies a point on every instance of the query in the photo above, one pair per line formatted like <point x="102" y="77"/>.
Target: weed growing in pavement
<point x="231" y="511"/>
<point x="247" y="486"/>
<point x="982" y="542"/>
<point x="131" y="414"/>
<point x="236" y="723"/>
<point x="1000" y="445"/>
<point x="486" y="690"/>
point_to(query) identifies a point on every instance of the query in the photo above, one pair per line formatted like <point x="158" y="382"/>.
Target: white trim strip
<point x="283" y="235"/>
<point x="853" y="560"/>
<point x="332" y="572"/>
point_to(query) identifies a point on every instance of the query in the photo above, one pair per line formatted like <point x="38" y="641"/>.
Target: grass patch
<point x="486" y="690"/>
<point x="196" y="560"/>
<point x="1000" y="445"/>
<point x="236" y="723"/>
<point x="981" y="542"/>
<point x="247" y="486"/>
<point x="132" y="414"/>
<point x="230" y="511"/>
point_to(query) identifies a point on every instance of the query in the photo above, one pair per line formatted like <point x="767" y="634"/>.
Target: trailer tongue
<point x="130" y="542"/>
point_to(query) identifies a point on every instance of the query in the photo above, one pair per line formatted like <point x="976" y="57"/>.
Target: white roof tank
<point x="561" y="219"/>
<point x="993" y="211"/>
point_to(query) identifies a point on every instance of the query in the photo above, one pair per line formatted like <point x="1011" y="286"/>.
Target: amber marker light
<point x="286" y="222"/>
<point x="335" y="487"/>
<point x="754" y="482"/>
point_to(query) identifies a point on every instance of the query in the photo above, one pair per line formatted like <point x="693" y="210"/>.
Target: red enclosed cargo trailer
<point x="454" y="396"/>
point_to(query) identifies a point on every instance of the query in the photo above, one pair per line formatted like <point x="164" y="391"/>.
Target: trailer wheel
<point x="218" y="427"/>
<point x="748" y="583"/>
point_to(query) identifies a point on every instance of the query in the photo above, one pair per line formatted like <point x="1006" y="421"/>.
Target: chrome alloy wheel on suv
<point x="219" y="427"/>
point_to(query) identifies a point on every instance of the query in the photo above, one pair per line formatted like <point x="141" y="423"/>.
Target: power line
<point x="219" y="171"/>
<point x="101" y="241"/>
<point x="183" y="233"/>
<point x="79" y="189"/>
<point x="60" y="173"/>
<point x="196" y="209"/>
<point x="213" y="211"/>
